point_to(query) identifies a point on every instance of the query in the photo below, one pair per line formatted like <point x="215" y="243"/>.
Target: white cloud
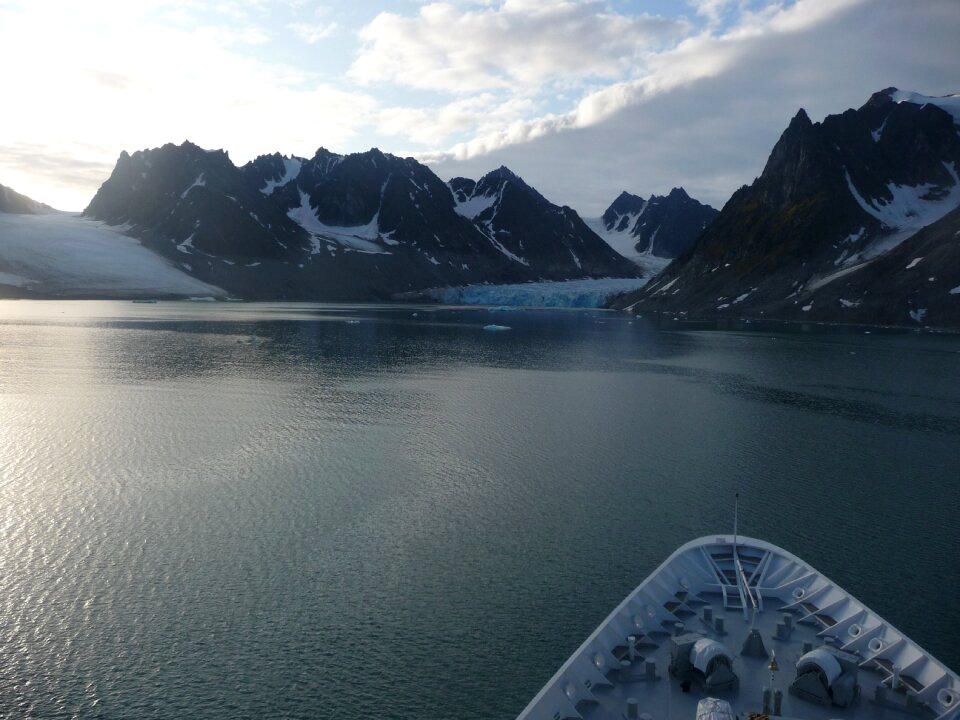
<point x="112" y="81"/>
<point x="313" y="32"/>
<point x="514" y="44"/>
<point x="710" y="111"/>
<point x="701" y="56"/>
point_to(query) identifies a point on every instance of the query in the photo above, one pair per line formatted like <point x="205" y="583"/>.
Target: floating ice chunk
<point x="353" y="322"/>
<point x="913" y="263"/>
<point x="918" y="314"/>
<point x="496" y="328"/>
<point x="807" y="308"/>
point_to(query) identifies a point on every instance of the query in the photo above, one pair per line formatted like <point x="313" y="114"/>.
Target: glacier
<point x="62" y="254"/>
<point x="583" y="293"/>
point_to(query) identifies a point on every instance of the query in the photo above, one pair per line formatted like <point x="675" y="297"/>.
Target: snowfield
<point x="61" y="254"/>
<point x="625" y="244"/>
<point x="569" y="293"/>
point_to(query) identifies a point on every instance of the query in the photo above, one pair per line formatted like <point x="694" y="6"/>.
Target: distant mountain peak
<point x="13" y="202"/>
<point x="800" y="121"/>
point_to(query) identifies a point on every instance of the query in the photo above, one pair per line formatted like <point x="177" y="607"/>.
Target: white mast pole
<point x="736" y="510"/>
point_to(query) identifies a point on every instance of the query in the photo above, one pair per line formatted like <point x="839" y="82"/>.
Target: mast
<point x="736" y="510"/>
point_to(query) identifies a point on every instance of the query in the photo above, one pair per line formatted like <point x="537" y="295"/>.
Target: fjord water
<point x="304" y="511"/>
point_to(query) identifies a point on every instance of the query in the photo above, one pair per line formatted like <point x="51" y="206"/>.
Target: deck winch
<point x="826" y="676"/>
<point x="705" y="661"/>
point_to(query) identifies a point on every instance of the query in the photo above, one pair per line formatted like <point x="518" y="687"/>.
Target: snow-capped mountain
<point x="834" y="198"/>
<point x="532" y="232"/>
<point x="654" y="231"/>
<point x="342" y="227"/>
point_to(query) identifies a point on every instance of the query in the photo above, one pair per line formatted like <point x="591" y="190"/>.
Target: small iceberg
<point x="496" y="328"/>
<point x="353" y="322"/>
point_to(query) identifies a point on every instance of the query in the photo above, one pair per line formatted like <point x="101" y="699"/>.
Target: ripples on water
<point x="251" y="511"/>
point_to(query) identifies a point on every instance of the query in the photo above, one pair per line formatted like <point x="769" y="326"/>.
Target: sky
<point x="582" y="98"/>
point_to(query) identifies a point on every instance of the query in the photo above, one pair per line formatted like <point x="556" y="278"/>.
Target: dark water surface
<point x="265" y="511"/>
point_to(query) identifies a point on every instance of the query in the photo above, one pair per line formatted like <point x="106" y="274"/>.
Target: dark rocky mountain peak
<point x="623" y="211"/>
<point x="834" y="197"/>
<point x="663" y="226"/>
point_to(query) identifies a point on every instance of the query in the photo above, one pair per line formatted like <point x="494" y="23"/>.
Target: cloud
<point x="701" y="56"/>
<point x="125" y="81"/>
<point x="711" y="109"/>
<point x="313" y="32"/>
<point x="515" y="44"/>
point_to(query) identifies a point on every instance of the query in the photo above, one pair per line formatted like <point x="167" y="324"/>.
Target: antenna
<point x="736" y="511"/>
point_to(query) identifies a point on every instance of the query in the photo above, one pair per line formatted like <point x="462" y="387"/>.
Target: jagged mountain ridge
<point x="530" y="230"/>
<point x="360" y="226"/>
<point x="833" y="197"/>
<point x="664" y="226"/>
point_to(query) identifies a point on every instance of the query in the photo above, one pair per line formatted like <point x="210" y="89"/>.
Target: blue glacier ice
<point x="586" y="293"/>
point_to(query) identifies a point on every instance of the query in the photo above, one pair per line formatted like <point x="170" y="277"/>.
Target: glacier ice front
<point x="584" y="293"/>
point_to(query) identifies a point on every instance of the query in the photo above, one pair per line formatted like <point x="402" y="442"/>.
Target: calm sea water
<point x="268" y="511"/>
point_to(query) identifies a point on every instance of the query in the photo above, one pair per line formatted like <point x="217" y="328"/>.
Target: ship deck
<point x="792" y="607"/>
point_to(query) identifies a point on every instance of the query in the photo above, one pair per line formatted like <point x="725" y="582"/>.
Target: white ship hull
<point x="694" y="623"/>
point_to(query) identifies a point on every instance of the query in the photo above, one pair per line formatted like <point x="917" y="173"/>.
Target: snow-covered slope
<point x="653" y="231"/>
<point x="950" y="103"/>
<point x="62" y="255"/>
<point x="625" y="243"/>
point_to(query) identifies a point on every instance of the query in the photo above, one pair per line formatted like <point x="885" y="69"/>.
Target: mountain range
<point x="343" y="227"/>
<point x="853" y="219"/>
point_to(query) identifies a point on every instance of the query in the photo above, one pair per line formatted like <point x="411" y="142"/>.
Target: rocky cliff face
<point x="360" y="226"/>
<point x="834" y="198"/>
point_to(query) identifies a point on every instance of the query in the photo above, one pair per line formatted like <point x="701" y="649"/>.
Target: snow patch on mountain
<point x="199" y="182"/>
<point x="584" y="293"/>
<point x="626" y="244"/>
<point x="949" y="103"/>
<point x="64" y="254"/>
<point x="911" y="206"/>
<point x="291" y="170"/>
<point x="474" y="205"/>
<point x="878" y="133"/>
<point x="360" y="238"/>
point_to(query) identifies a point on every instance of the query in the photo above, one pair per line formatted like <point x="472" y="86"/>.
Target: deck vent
<point x="633" y="708"/>
<point x="855" y="631"/>
<point x="946" y="697"/>
<point x="708" y="615"/>
<point x="875" y="645"/>
<point x="598" y="661"/>
<point x="798" y="593"/>
<point x="638" y="622"/>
